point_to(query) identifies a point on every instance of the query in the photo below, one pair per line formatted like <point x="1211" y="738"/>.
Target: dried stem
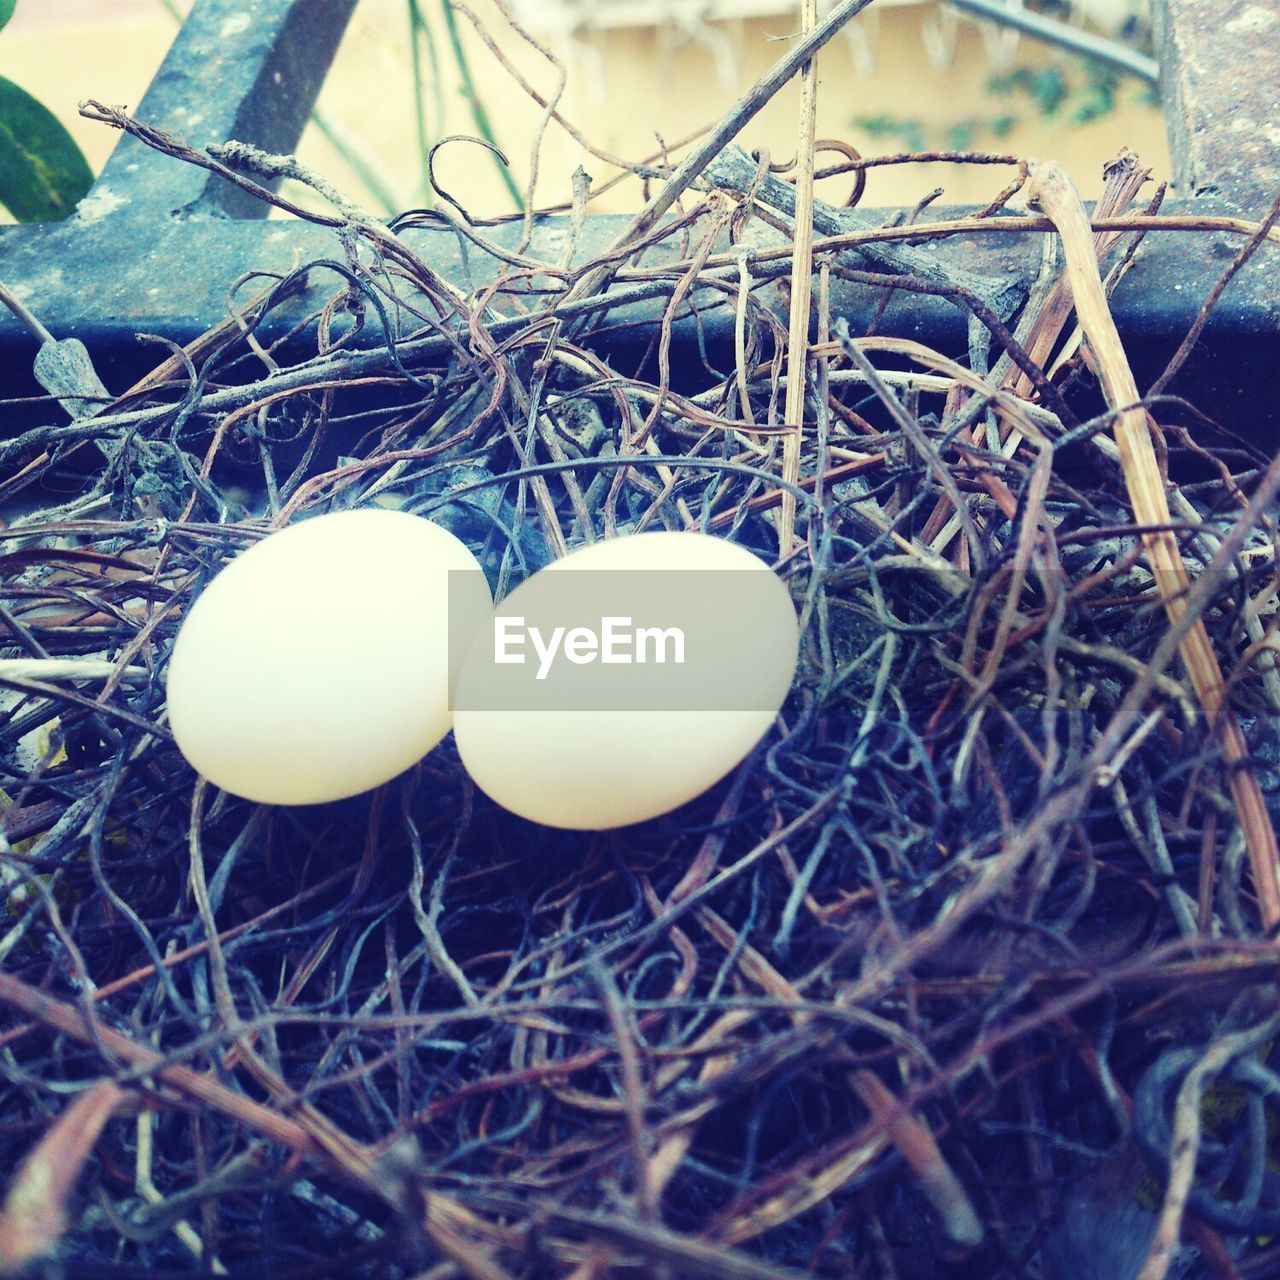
<point x="801" y="284"/>
<point x="1051" y="191"/>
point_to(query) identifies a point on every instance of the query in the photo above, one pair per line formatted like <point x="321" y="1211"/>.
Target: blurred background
<point x="641" y="75"/>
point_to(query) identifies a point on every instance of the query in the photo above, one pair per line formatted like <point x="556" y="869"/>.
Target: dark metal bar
<point x="244" y="69"/>
<point x="1065" y="36"/>
<point x="105" y="279"/>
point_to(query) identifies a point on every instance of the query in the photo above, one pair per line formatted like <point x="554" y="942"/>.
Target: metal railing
<point x="156" y="243"/>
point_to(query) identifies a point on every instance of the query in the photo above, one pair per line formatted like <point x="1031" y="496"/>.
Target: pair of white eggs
<point x="318" y="664"/>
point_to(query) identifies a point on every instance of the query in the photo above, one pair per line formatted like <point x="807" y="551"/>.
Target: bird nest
<point x="965" y="971"/>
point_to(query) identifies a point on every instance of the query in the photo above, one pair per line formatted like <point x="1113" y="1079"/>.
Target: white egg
<point x="674" y="655"/>
<point x="317" y="665"/>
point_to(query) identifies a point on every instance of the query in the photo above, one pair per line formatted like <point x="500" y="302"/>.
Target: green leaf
<point x="42" y="171"/>
<point x="6" y="11"/>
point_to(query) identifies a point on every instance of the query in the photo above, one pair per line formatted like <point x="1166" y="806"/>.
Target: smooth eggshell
<point x="316" y="664"/>
<point x="598" y="769"/>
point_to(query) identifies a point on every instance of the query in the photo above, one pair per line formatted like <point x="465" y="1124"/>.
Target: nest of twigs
<point x="965" y="972"/>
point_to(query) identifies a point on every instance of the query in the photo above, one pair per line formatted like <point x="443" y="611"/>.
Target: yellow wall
<point x="625" y="87"/>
